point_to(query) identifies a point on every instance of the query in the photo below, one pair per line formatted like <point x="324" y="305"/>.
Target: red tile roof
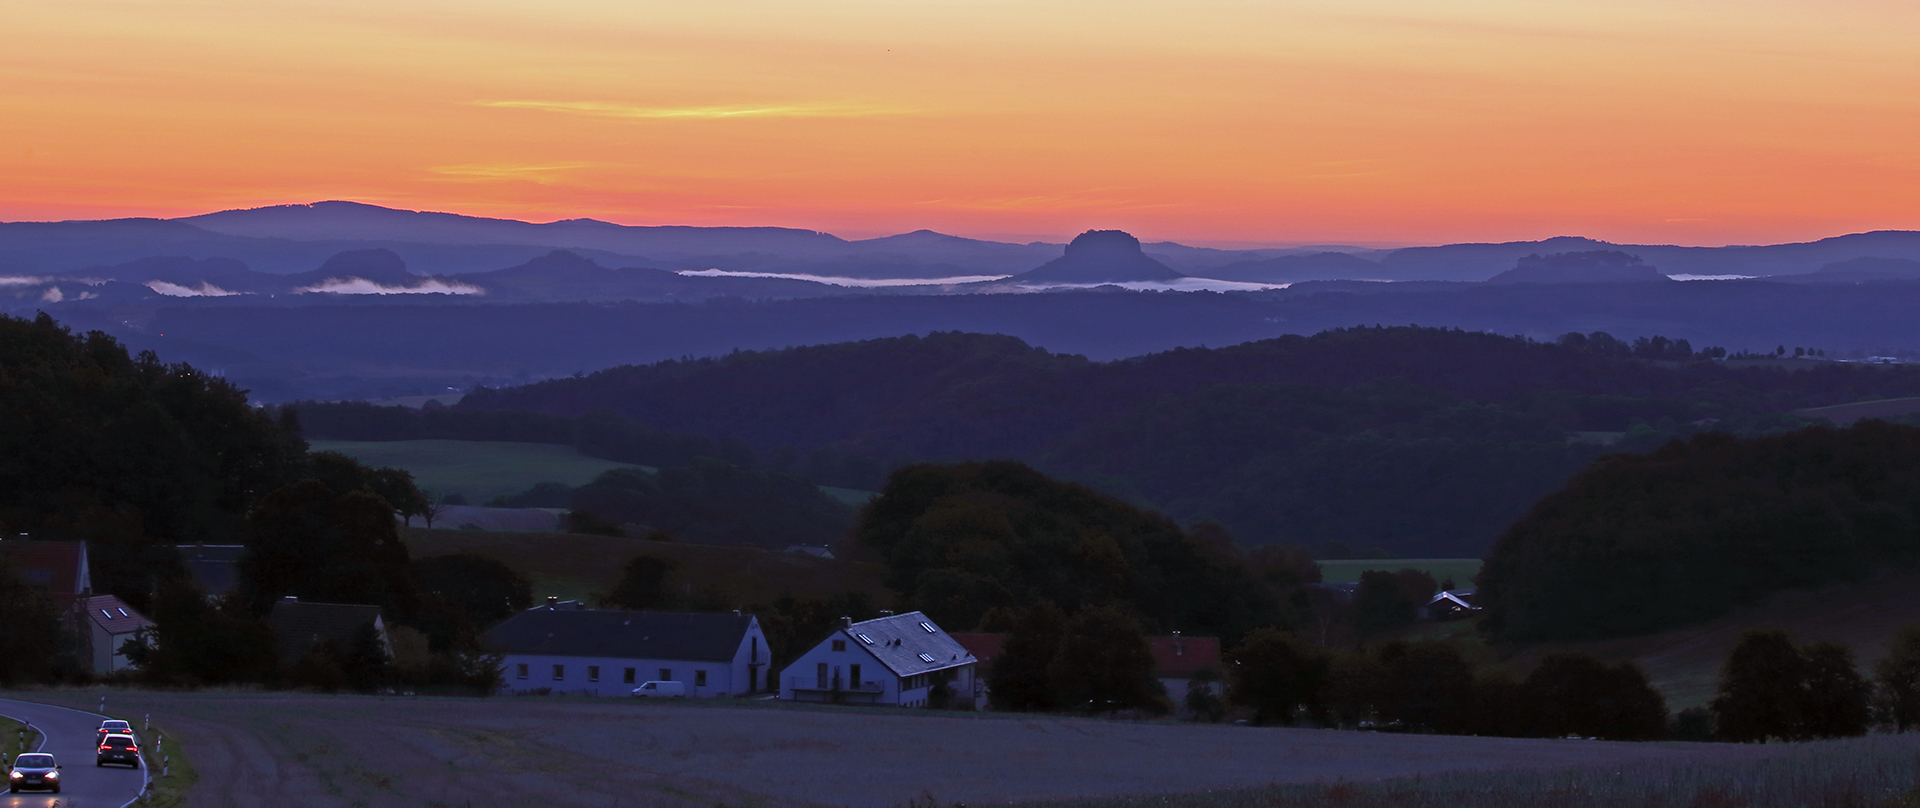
<point x="1172" y="656"/>
<point x="60" y="566"/>
<point x="982" y="645"/>
<point x="115" y="617"/>
<point x="1184" y="656"/>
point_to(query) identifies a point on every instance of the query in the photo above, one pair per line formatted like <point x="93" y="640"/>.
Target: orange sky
<point x="1205" y="121"/>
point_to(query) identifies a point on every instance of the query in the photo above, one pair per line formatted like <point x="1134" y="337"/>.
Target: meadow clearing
<point x="253" y="748"/>
<point x="1458" y="570"/>
<point x="477" y="470"/>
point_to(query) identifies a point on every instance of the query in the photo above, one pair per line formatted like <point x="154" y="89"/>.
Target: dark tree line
<point x="960" y="541"/>
<point x="1424" y="441"/>
<point x="705" y="502"/>
<point x="1638" y="544"/>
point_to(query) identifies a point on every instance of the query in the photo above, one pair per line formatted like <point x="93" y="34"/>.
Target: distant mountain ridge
<point x="284" y="239"/>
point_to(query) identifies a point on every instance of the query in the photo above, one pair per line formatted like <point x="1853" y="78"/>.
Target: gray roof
<point x="215" y="567"/>
<point x="898" y="642"/>
<point x="299" y="625"/>
<point x="615" y="634"/>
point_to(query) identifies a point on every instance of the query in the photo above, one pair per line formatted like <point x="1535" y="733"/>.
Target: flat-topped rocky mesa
<point x="1100" y="256"/>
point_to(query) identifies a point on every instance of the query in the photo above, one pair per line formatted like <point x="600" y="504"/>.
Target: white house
<point x="111" y="624"/>
<point x="610" y="652"/>
<point x="895" y="660"/>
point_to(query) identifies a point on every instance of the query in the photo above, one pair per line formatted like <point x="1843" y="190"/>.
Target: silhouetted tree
<point x="646" y="582"/>
<point x="1018" y="680"/>
<point x="484" y="589"/>
<point x="1838" y="699"/>
<point x="1275" y="672"/>
<point x="1104" y="664"/>
<point x="1898" y="675"/>
<point x="1760" y="693"/>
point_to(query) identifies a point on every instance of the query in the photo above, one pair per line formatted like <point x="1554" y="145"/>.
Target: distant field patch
<point x="852" y="496"/>
<point x="1460" y="570"/>
<point x="477" y="470"/>
<point x="1843" y="415"/>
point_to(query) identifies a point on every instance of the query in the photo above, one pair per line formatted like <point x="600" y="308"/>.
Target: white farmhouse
<point x="611" y="652"/>
<point x="895" y="660"/>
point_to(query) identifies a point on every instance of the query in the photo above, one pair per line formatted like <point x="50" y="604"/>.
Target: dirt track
<point x="289" y="749"/>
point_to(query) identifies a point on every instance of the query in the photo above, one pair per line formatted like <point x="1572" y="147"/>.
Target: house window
<point x="853" y="676"/>
<point x="820" y="673"/>
<point x="559" y="673"/>
<point x="929" y="627"/>
<point x="520" y="670"/>
<point x="864" y="638"/>
<point x="926" y="657"/>
<point x="699" y="678"/>
<point x="627" y="677"/>
<point x="666" y="674"/>
<point x="593" y="673"/>
<point x="839" y="645"/>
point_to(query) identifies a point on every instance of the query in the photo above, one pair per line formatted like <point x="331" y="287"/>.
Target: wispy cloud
<point x="176" y="290"/>
<point x="362" y="286"/>
<point x="21" y="280"/>
<point x="604" y="109"/>
<point x="543" y="174"/>
<point x="1092" y="200"/>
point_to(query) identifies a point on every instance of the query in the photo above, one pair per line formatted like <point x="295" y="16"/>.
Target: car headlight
<point x="17" y="775"/>
<point x="53" y="775"/>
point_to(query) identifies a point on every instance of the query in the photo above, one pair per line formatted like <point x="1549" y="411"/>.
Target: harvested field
<point x="295" y="749"/>
<point x="1843" y="415"/>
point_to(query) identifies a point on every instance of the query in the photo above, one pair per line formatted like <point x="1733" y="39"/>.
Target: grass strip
<point x="13" y="740"/>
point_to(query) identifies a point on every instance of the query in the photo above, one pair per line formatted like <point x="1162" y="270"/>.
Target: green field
<point x="481" y="470"/>
<point x="1460" y="570"/>
<point x="477" y="470"/>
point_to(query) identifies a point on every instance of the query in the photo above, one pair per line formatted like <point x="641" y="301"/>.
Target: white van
<point x="661" y="690"/>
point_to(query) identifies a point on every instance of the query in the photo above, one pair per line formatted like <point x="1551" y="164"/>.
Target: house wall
<point x="799" y="681"/>
<point x="752" y="662"/>
<point x="106" y="649"/>
<point x="724" y="678"/>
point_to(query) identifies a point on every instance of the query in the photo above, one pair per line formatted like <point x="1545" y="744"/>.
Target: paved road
<point x="69" y="737"/>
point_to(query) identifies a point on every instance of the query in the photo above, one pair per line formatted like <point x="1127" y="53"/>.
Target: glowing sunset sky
<point x="1206" y="121"/>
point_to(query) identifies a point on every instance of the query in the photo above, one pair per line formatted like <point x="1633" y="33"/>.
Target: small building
<point x="299" y="625"/>
<point x="605" y="652"/>
<point x="896" y="660"/>
<point x="985" y="647"/>
<point x="59" y="567"/>
<point x="1177" y="658"/>
<point x="111" y="625"/>
<point x="1452" y="604"/>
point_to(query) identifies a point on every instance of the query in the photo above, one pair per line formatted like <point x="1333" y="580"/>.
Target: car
<point x="34" y="770"/>
<point x="661" y="690"/>
<point x="118" y="749"/>
<point x="114" y="726"/>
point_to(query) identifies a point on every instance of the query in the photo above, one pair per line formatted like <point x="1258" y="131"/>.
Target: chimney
<point x="552" y="602"/>
<point x="291" y="599"/>
<point x="886" y="612"/>
<point x="846" y="622"/>
<point x="736" y="612"/>
<point x="1179" y="648"/>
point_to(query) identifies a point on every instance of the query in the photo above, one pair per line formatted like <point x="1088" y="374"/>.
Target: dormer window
<point x="864" y="638"/>
<point x="926" y="657"/>
<point x="929" y="627"/>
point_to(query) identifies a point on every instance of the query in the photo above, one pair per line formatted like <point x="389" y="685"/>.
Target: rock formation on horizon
<point x="1590" y="266"/>
<point x="1100" y="256"/>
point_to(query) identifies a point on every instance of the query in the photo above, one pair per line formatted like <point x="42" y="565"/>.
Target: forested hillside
<point x="1421" y="441"/>
<point x="1638" y="544"/>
